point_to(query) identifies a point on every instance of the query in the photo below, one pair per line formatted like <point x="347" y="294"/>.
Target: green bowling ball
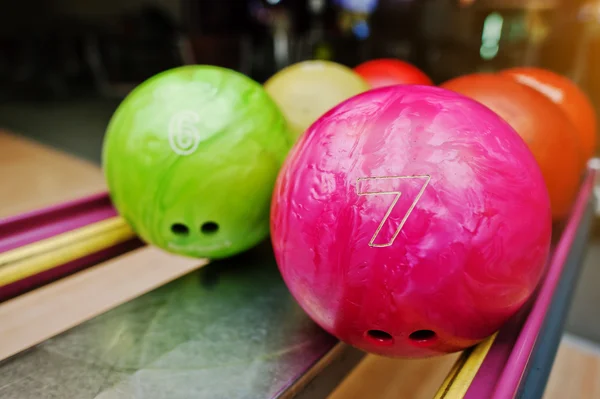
<point x="191" y="157"/>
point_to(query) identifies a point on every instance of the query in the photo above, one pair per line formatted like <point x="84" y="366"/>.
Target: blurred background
<point x="66" y="64"/>
<point x="59" y="54"/>
<point x="69" y="49"/>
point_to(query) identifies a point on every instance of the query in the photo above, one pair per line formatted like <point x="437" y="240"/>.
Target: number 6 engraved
<point x="370" y="186"/>
<point x="184" y="136"/>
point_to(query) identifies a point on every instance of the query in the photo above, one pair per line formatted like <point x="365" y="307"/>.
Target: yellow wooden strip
<point x="60" y="240"/>
<point x="462" y="374"/>
<point x="31" y="318"/>
<point x="71" y="251"/>
<point x="458" y="365"/>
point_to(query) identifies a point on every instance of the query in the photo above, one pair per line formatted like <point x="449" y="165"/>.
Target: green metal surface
<point x="230" y="330"/>
<point x="191" y="157"/>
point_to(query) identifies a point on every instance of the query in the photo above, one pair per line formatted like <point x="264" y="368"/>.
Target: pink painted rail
<point x="41" y="224"/>
<point x="44" y="223"/>
<point x="502" y="371"/>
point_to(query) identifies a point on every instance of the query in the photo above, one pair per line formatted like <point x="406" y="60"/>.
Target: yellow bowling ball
<point x="307" y="90"/>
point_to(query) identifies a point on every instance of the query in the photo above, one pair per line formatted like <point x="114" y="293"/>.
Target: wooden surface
<point x="40" y="176"/>
<point x="576" y="372"/>
<point x="382" y="378"/>
<point x="31" y="318"/>
<point x="34" y="176"/>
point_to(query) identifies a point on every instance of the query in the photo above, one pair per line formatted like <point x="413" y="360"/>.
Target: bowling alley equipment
<point x="306" y="90"/>
<point x="569" y="97"/>
<point x="387" y="72"/>
<point x="411" y="221"/>
<point x="182" y="315"/>
<point x="175" y="321"/>
<point x="545" y="128"/>
<point x="191" y="157"/>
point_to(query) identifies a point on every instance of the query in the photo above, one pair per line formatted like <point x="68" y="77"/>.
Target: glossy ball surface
<point x="191" y="157"/>
<point x="569" y="97"/>
<point x="306" y="90"/>
<point x="544" y="127"/>
<point x="388" y="72"/>
<point x="411" y="221"/>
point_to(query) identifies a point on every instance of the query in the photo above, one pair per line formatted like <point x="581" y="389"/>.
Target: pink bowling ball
<point x="410" y="221"/>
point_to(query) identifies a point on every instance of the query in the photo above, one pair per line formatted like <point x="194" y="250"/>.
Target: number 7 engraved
<point x="392" y="185"/>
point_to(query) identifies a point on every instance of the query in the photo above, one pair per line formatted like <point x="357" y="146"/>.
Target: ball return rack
<point x="88" y="311"/>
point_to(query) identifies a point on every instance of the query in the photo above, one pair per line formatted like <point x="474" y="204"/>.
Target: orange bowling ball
<point x="573" y="101"/>
<point x="542" y="125"/>
<point x="388" y="72"/>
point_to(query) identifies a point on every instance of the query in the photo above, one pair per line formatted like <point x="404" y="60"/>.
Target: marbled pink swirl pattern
<point x="471" y="250"/>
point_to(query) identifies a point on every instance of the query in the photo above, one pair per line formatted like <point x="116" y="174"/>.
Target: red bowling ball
<point x="388" y="72"/>
<point x="411" y="221"/>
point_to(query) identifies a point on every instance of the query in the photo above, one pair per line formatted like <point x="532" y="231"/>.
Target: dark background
<point x="60" y="49"/>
